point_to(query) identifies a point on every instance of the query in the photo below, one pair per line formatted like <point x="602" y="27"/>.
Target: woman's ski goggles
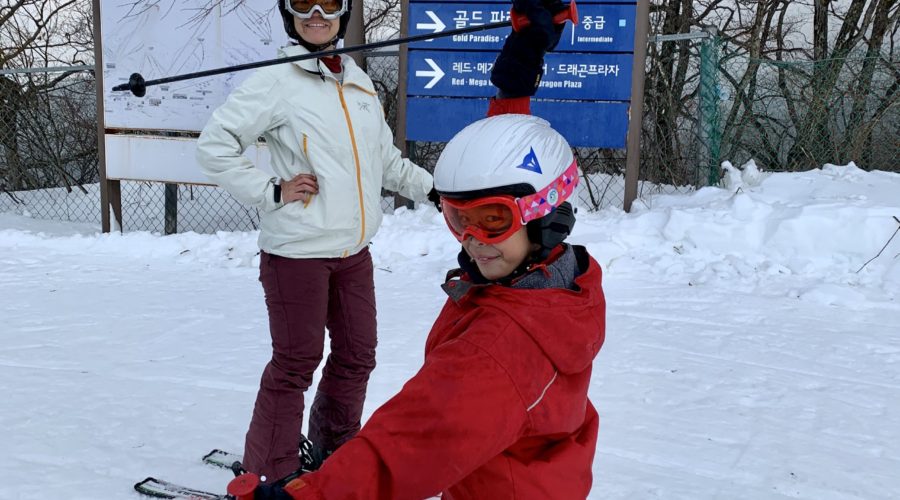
<point x="493" y="219"/>
<point x="328" y="9"/>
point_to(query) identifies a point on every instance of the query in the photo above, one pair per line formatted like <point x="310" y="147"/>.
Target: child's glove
<point x="518" y="69"/>
<point x="270" y="492"/>
<point x="247" y="486"/>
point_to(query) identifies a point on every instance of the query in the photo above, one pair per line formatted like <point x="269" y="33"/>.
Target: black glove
<point x="540" y="14"/>
<point x="435" y="198"/>
<point x="518" y="69"/>
<point x="270" y="492"/>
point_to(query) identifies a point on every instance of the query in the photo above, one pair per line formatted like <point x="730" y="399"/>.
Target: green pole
<point x="710" y="111"/>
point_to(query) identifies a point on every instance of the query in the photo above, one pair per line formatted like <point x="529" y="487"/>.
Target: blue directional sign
<point x="585" y="92"/>
<point x="588" y="124"/>
<point x="601" y="77"/>
<point x="601" y="27"/>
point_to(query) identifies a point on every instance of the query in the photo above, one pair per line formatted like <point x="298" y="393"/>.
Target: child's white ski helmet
<point x="517" y="155"/>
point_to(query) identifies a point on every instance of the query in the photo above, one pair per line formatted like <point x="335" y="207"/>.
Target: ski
<point x="163" y="489"/>
<point x="223" y="459"/>
<point x="159" y="488"/>
<point x="310" y="458"/>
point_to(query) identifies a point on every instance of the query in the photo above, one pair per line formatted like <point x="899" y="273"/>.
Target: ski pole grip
<point x="243" y="486"/>
<point x="521" y="21"/>
<point x="136" y="85"/>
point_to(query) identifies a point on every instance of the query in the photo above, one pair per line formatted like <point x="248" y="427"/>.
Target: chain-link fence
<point x="48" y="143"/>
<point x="681" y="128"/>
<point x="800" y="115"/>
<point x="704" y="102"/>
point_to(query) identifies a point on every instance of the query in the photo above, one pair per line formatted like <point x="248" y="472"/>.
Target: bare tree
<point x="858" y="132"/>
<point x="33" y="33"/>
<point x="667" y="79"/>
<point x="58" y="136"/>
<point x="807" y="81"/>
<point x="382" y="19"/>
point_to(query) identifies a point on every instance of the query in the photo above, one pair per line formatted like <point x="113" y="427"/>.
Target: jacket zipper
<point x="362" y="208"/>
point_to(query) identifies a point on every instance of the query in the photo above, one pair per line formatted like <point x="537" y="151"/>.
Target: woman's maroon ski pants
<point x="304" y="297"/>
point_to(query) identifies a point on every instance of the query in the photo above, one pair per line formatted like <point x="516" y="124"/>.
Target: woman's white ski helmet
<point x="516" y="155"/>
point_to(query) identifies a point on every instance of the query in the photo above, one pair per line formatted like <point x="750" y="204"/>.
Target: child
<point x="499" y="408"/>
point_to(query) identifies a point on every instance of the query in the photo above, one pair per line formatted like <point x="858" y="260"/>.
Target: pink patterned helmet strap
<point x="537" y="205"/>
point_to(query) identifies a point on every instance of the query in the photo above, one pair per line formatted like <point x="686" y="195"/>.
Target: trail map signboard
<point x="172" y="37"/>
<point x="160" y="38"/>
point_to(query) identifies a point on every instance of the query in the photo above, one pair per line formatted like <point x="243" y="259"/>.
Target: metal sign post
<point x="110" y="191"/>
<point x="633" y="155"/>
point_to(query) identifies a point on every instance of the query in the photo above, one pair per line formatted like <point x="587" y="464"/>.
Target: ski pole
<point x="138" y="86"/>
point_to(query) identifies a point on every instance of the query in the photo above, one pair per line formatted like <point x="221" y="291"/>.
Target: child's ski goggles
<point x="329" y="9"/>
<point x="493" y="219"/>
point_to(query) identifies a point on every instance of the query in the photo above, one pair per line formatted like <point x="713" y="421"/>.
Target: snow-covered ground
<point x="752" y="351"/>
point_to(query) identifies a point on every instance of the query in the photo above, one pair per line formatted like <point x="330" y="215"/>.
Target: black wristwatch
<point x="276" y="193"/>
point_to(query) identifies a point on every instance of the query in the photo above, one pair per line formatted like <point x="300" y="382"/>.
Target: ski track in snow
<point x="728" y="372"/>
<point x="696" y="401"/>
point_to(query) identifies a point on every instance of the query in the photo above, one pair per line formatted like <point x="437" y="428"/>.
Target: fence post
<point x="110" y="191"/>
<point x="710" y="114"/>
<point x="171" y="208"/>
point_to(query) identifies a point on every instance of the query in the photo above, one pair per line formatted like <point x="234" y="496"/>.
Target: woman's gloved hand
<point x="540" y="15"/>
<point x="248" y="486"/>
<point x="435" y="198"/>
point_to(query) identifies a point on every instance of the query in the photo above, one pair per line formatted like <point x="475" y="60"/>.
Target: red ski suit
<point x="499" y="410"/>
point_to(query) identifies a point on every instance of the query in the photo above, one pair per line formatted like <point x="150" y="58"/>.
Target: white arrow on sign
<point x="435" y="74"/>
<point x="437" y="26"/>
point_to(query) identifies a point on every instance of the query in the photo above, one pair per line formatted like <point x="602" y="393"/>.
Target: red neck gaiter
<point x="333" y="63"/>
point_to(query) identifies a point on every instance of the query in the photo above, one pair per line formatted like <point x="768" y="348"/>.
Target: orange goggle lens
<point x="327" y="6"/>
<point x="489" y="220"/>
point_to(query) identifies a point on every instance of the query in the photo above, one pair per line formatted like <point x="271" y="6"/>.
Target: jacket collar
<point x="558" y="270"/>
<point x="352" y="74"/>
<point x="568" y="323"/>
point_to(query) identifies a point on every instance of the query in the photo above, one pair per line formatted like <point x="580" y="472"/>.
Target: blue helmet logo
<point x="530" y="163"/>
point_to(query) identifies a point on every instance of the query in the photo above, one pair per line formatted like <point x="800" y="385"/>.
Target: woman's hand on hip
<point x="300" y="188"/>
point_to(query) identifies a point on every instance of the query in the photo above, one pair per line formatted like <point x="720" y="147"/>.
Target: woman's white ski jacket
<point x="312" y="122"/>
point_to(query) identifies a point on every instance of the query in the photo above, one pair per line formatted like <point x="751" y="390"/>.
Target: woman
<point x="332" y="153"/>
